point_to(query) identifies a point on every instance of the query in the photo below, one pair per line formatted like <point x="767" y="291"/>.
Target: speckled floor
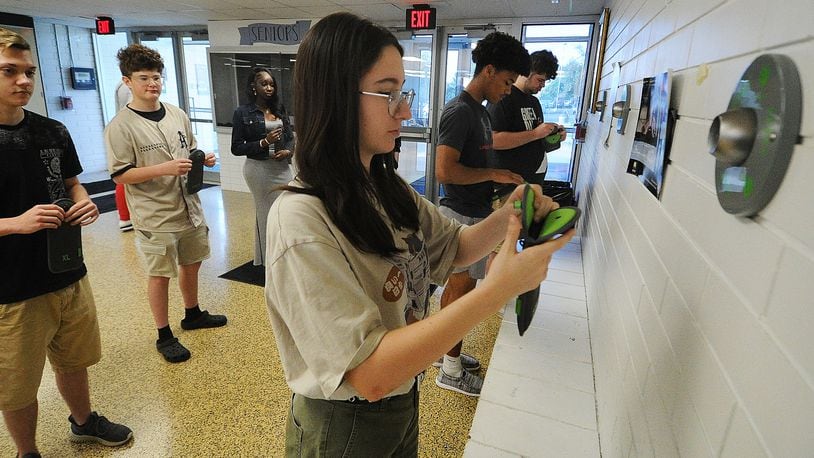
<point x="230" y="399"/>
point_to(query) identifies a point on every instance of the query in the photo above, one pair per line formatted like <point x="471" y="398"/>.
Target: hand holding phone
<point x="556" y="223"/>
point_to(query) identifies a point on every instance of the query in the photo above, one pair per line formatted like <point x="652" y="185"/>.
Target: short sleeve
<point x="324" y="322"/>
<point x="120" y="146"/>
<point x="499" y="115"/>
<point x="454" y="126"/>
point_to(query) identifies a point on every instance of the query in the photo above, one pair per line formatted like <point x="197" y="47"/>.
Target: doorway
<point x="561" y="99"/>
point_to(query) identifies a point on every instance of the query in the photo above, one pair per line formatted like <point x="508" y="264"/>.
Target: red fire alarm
<point x="105" y="26"/>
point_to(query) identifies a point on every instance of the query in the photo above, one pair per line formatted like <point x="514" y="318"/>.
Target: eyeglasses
<point x="395" y="99"/>
<point x="146" y="80"/>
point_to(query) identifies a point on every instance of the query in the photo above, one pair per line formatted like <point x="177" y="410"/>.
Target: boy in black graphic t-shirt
<point x="43" y="313"/>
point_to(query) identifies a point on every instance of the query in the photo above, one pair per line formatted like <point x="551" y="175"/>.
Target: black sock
<point x="165" y="333"/>
<point x="193" y="313"/>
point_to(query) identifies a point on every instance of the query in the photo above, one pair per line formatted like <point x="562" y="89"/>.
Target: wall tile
<point x="790" y="23"/>
<point x="735" y="23"/>
<point x="741" y="440"/>
<point x="696" y="210"/>
<point x="791" y="309"/>
<point x="689" y="432"/>
<point x="690" y="151"/>
<point x="673" y="53"/>
<point x="791" y="210"/>
<point x="658" y="422"/>
<point x="771" y="390"/>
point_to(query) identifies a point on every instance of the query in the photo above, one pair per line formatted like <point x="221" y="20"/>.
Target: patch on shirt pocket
<point x="393" y="285"/>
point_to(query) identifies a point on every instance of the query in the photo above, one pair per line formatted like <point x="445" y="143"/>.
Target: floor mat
<point x="247" y="273"/>
<point x="97" y="187"/>
<point x="106" y="203"/>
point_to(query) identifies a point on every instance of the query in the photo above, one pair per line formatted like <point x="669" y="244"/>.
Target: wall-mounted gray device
<point x="753" y="140"/>
<point x="621" y="108"/>
<point x="83" y="78"/>
<point x="600" y="105"/>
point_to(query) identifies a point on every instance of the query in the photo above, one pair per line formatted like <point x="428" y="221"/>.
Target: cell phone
<point x="195" y="175"/>
<point x="64" y="243"/>
<point x="556" y="223"/>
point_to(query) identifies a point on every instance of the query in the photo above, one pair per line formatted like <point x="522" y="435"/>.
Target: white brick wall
<point x="84" y="121"/>
<point x="701" y="322"/>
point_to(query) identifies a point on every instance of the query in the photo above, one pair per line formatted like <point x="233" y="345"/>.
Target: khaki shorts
<point x="477" y="271"/>
<point x="61" y="325"/>
<point x="163" y="252"/>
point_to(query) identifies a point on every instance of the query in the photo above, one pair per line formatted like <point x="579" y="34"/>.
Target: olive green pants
<point x="320" y="428"/>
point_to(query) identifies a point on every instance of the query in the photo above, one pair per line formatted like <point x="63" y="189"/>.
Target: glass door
<point x="416" y="132"/>
<point x="562" y="97"/>
<point x="198" y="94"/>
<point x="454" y="73"/>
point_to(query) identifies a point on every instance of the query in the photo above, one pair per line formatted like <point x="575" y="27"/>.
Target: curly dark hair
<point x="544" y="63"/>
<point x="138" y="57"/>
<point x="502" y="51"/>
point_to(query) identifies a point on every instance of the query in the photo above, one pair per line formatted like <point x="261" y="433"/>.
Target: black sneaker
<point x="204" y="320"/>
<point x="101" y="430"/>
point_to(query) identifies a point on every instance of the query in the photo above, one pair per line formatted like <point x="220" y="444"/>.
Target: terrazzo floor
<point x="230" y="398"/>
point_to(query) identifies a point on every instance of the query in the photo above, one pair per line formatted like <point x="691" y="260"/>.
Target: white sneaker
<point x="125" y="226"/>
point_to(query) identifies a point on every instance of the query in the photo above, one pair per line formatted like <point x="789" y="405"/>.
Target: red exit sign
<point x="420" y="18"/>
<point x="105" y="26"/>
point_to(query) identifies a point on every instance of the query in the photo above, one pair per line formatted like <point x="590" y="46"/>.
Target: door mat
<point x="247" y="273"/>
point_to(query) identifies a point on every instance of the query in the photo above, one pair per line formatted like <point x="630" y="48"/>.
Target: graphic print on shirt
<point x="529" y="117"/>
<point x="410" y="274"/>
<point x="486" y="140"/>
<point x="52" y="160"/>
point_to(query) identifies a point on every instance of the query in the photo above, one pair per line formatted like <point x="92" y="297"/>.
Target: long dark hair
<point x="274" y="104"/>
<point x="332" y="58"/>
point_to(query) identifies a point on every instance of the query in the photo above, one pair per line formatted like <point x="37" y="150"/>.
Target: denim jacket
<point x="249" y="127"/>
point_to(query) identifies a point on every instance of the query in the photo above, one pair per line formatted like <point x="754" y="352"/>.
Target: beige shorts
<point x="61" y="325"/>
<point x="163" y="252"/>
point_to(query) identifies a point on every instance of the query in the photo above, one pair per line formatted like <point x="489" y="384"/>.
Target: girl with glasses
<point x="352" y="250"/>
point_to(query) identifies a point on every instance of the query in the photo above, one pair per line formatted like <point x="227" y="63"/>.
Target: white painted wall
<point x="84" y="121"/>
<point x="701" y="322"/>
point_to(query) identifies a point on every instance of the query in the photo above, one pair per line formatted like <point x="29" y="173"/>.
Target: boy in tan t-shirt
<point x="148" y="145"/>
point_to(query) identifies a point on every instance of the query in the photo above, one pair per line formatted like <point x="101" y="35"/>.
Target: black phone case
<point x="195" y="175"/>
<point x="526" y="304"/>
<point x="64" y="244"/>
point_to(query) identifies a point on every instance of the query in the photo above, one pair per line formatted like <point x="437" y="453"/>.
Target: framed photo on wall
<point x="650" y="152"/>
<point x="604" y="21"/>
